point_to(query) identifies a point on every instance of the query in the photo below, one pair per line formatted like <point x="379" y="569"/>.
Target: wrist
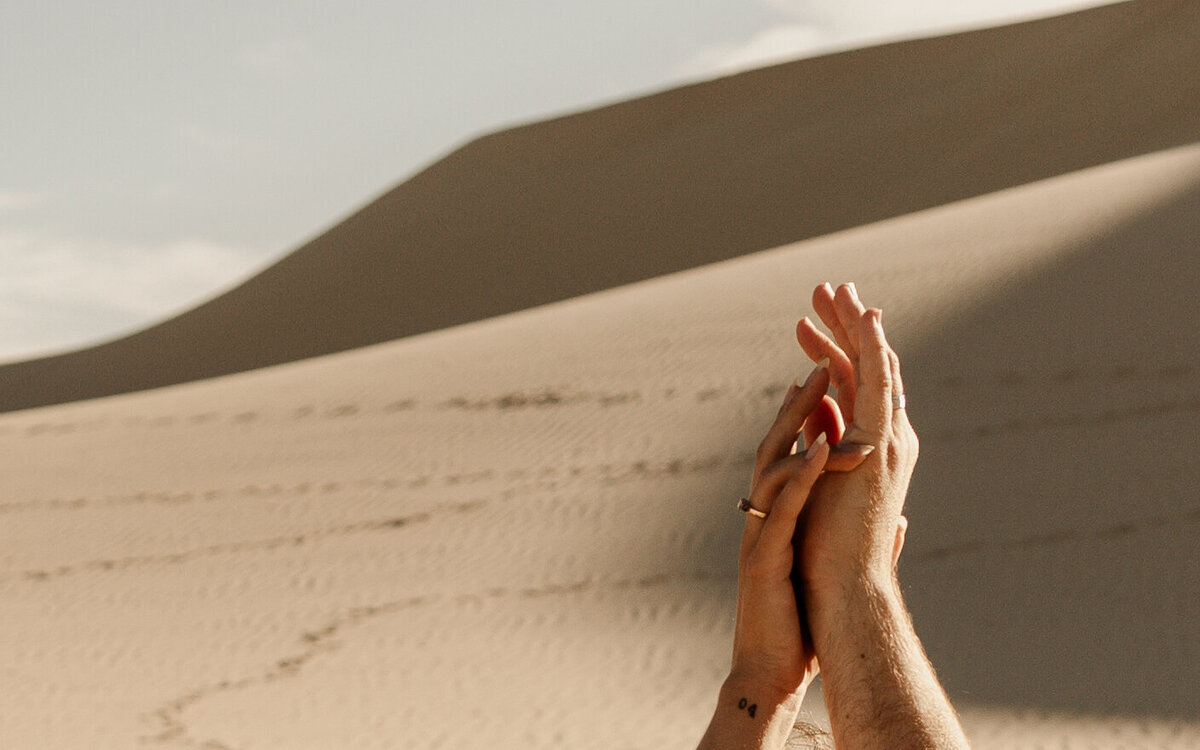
<point x="751" y="715"/>
<point x="764" y="698"/>
<point x="866" y="597"/>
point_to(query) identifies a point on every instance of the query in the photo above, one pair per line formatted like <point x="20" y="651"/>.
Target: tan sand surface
<point x="691" y="176"/>
<point x="519" y="533"/>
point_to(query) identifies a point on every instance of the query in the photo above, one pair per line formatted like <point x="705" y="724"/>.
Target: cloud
<point x="814" y="27"/>
<point x="57" y="293"/>
<point x="777" y="44"/>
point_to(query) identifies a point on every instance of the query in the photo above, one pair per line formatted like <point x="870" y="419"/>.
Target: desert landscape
<point x="461" y="471"/>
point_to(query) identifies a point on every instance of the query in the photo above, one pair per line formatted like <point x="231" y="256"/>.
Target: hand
<point x="880" y="689"/>
<point x="770" y="645"/>
<point x="853" y="528"/>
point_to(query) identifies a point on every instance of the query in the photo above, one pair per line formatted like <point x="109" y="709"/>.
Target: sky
<point x="154" y="154"/>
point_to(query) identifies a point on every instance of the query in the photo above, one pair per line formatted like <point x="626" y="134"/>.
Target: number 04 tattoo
<point x="748" y="707"/>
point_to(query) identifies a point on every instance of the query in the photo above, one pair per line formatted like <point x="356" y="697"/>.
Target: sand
<point x="519" y="532"/>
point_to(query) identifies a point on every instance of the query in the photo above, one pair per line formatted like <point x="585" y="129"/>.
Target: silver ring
<point x="745" y="507"/>
<point x="898" y="401"/>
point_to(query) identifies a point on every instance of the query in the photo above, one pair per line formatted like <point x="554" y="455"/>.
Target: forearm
<point x="880" y="689"/>
<point x="751" y="716"/>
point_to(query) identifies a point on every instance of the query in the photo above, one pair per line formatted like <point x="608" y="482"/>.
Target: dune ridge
<point x="700" y="174"/>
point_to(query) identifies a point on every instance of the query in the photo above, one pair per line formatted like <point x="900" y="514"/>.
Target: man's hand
<point x="854" y="528"/>
<point x="879" y="687"/>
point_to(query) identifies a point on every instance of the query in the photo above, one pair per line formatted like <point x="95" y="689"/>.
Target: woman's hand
<point x="769" y="645"/>
<point x="772" y="661"/>
<point x="773" y="653"/>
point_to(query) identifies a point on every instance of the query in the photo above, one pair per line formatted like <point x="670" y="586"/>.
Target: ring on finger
<point x="898" y="401"/>
<point x="745" y="507"/>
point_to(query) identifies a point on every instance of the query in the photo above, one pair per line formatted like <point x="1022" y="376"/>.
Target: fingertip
<point x="825" y="289"/>
<point x="804" y="327"/>
<point x="815" y="376"/>
<point x="820" y="445"/>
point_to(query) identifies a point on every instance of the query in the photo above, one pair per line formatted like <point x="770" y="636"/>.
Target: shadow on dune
<point x="683" y="178"/>
<point x="1055" y="516"/>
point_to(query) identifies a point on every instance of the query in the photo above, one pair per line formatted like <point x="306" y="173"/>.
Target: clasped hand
<point x="833" y="509"/>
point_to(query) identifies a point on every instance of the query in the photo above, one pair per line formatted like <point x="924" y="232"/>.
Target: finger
<point x="773" y="479"/>
<point x="849" y="312"/>
<point x="827" y="419"/>
<point x="820" y="347"/>
<point x="899" y="416"/>
<point x="846" y="456"/>
<point x="824" y="418"/>
<point x="873" y="400"/>
<point x="782" y="435"/>
<point x="898" y="545"/>
<point x="765" y="493"/>
<point x="787" y="398"/>
<point x="826" y="309"/>
<point x="780" y="526"/>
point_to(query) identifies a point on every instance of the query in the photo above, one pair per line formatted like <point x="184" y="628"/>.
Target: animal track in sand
<point x="549" y="397"/>
<point x="1047" y="539"/>
<point x="251" y="545"/>
<point x="172" y="728"/>
<point x="547" y="477"/>
<point x="1060" y="421"/>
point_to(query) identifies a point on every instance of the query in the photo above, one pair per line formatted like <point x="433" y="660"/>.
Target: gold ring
<point x="745" y="507"/>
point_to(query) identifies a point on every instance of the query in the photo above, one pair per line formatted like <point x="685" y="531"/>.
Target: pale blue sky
<point x="153" y="153"/>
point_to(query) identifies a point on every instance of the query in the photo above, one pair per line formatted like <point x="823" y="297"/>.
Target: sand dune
<point x="520" y="533"/>
<point x="701" y="174"/>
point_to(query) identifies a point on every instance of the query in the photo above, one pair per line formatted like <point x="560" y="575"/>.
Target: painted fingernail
<point x="853" y="289"/>
<point x="816" y="446"/>
<point x="827" y="287"/>
<point x="862" y="449"/>
<point x="812" y="375"/>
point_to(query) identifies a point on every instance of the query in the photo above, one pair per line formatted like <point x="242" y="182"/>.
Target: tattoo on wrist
<point x="748" y="707"/>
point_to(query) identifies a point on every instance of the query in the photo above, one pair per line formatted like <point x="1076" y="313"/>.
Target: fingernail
<point x="853" y="289"/>
<point x="820" y="366"/>
<point x="788" y="395"/>
<point x="816" y="446"/>
<point x="862" y="449"/>
<point x="827" y="287"/>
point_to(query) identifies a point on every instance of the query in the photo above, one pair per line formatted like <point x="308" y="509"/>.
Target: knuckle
<point x="895" y="458"/>
<point x="776" y="474"/>
<point x="764" y="451"/>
